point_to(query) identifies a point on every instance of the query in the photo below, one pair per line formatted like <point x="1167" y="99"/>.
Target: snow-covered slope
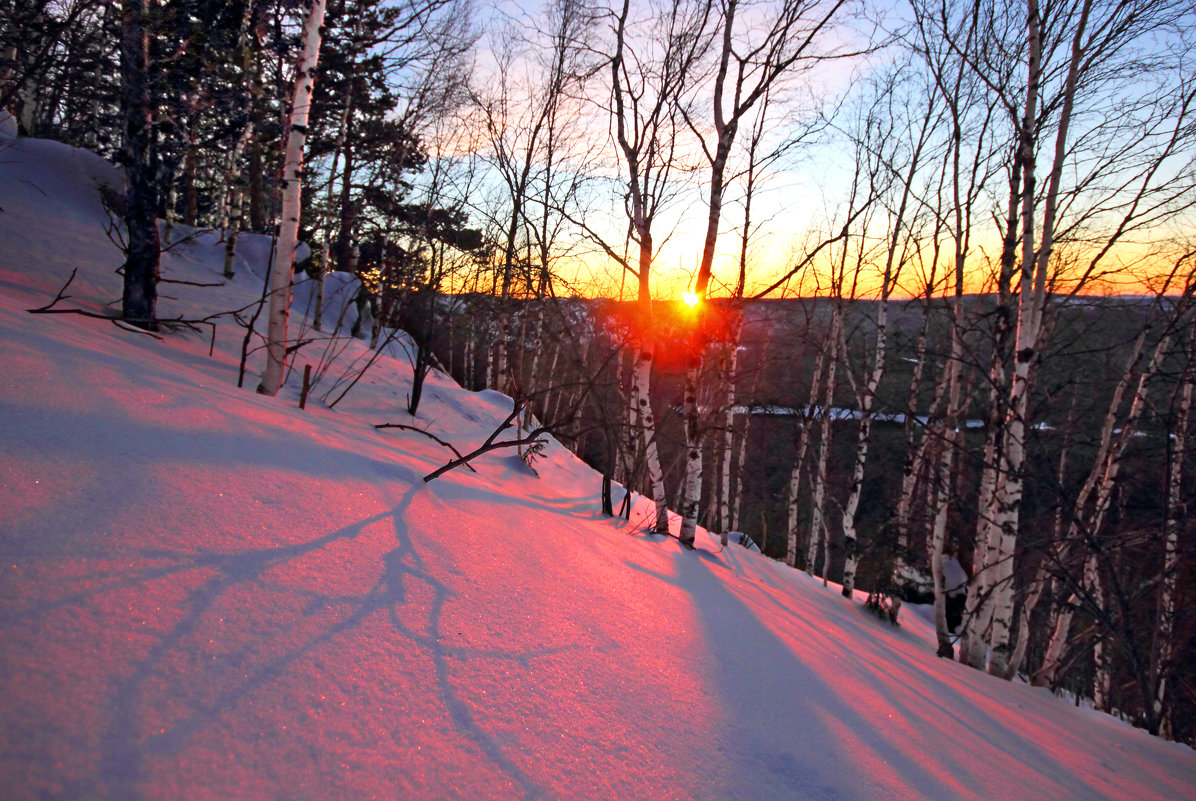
<point x="207" y="593"/>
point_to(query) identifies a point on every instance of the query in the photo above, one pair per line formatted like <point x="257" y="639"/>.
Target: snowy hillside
<point x="208" y="593"/>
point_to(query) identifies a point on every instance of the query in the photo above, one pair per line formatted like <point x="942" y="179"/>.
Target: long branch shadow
<point x="405" y="563"/>
<point x="766" y="689"/>
<point x="77" y="439"/>
<point x="122" y="756"/>
<point x="121" y="772"/>
<point x="958" y="700"/>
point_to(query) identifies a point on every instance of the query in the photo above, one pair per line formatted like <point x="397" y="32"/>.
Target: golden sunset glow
<point x="691" y="299"/>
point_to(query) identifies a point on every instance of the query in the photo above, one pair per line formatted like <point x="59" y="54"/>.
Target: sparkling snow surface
<point x="210" y="594"/>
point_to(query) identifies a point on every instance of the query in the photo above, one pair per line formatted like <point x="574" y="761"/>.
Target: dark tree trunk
<point x="142" y="251"/>
<point x="257" y="191"/>
<point x="190" y="198"/>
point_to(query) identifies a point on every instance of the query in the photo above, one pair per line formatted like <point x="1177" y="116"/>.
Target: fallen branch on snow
<point x="533" y="438"/>
<point x="427" y="434"/>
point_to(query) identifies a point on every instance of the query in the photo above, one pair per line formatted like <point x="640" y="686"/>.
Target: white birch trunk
<point x="1007" y="491"/>
<point x="284" y="256"/>
<point x="691" y="490"/>
<point x="943" y="484"/>
<point x="1103" y="680"/>
<point x="1101" y="482"/>
<point x="818" y="489"/>
<point x="799" y="460"/>
<point x="868" y="397"/>
<point x="939" y="536"/>
<point x="737" y="470"/>
<point x="558" y="401"/>
<point x="915" y="452"/>
<point x="728" y="454"/>
<point x="691" y="487"/>
<point x="973" y="645"/>
<point x="1052" y="658"/>
<point x="172" y="199"/>
<point x="863" y="439"/>
<point x="645" y="422"/>
<point x="864" y="433"/>
<point x="317" y="321"/>
<point x="537" y="347"/>
<point x="496" y="370"/>
<point x="1164" y="632"/>
<point x="489" y="376"/>
<point x="233" y="230"/>
<point x="234" y="197"/>
<point x="741" y="451"/>
<point x="1031" y="310"/>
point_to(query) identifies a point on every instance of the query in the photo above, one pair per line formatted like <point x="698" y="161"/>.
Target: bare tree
<point x="1084" y="55"/>
<point x="654" y="60"/>
<point x="1163" y="663"/>
<point x="521" y="117"/>
<point x="877" y="134"/>
<point x="747" y="67"/>
<point x="948" y="40"/>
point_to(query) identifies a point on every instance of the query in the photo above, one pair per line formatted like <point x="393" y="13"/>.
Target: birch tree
<point x="520" y="115"/>
<point x="903" y="177"/>
<point x="282" y="265"/>
<point x="1105" y="178"/>
<point x="1095" y="499"/>
<point x="805" y="426"/>
<point x="653" y="62"/>
<point x="1163" y="663"/>
<point x="750" y="60"/>
<point x="761" y="155"/>
<point x="819" y="531"/>
<point x="842" y="284"/>
<point x="950" y="40"/>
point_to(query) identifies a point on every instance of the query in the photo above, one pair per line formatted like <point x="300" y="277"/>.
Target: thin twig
<point x="60" y="296"/>
<point x="189" y="283"/>
<point x="427" y="434"/>
<point x="490" y="444"/>
<point x="530" y="439"/>
<point x="119" y="323"/>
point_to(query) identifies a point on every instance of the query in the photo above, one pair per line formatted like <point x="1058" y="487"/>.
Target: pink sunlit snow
<point x="211" y="594"/>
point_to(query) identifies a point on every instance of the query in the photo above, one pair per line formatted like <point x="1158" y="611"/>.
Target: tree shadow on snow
<point x="122" y="772"/>
<point x="790" y="730"/>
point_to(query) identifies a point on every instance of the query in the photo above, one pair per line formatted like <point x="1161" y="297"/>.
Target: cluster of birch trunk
<point x="1025" y="152"/>
<point x="1006" y="159"/>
